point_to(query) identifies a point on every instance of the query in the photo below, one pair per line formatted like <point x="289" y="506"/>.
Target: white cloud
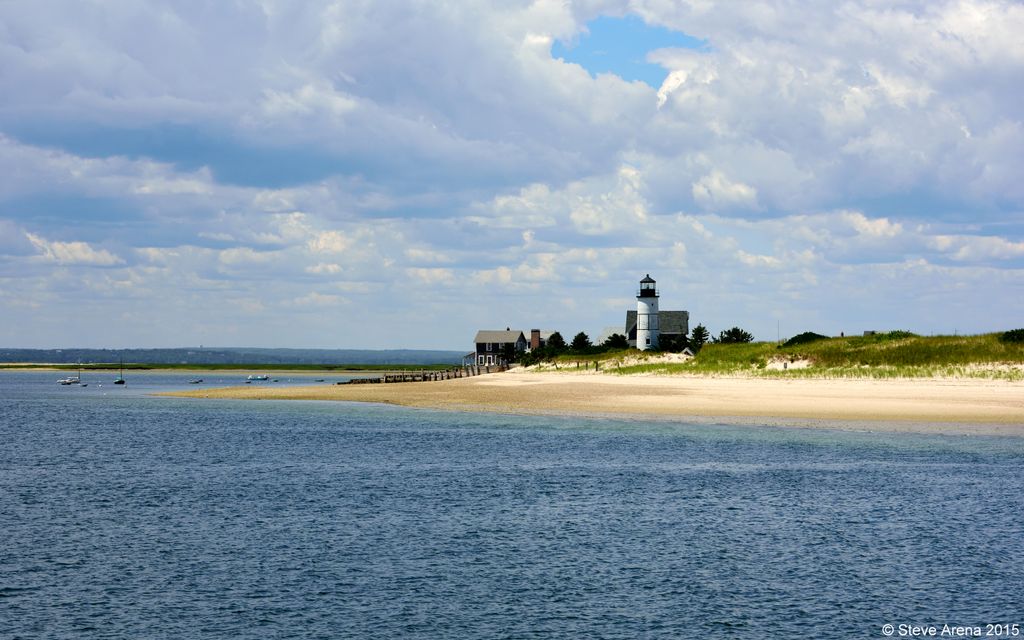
<point x="752" y="260"/>
<point x="432" y="275"/>
<point x="329" y="242"/>
<point x="531" y="207"/>
<point x="599" y="206"/>
<point x="246" y="256"/>
<point x="978" y="248"/>
<point x="324" y="268"/>
<point x="716" y="191"/>
<point x="73" y="253"/>
<point x="417" y="255"/>
<point x="306" y="100"/>
<point x="316" y="299"/>
<point x="158" y="186"/>
<point x="878" y="227"/>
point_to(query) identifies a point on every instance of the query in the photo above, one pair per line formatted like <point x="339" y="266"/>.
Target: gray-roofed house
<point x="672" y="324"/>
<point x="492" y="347"/>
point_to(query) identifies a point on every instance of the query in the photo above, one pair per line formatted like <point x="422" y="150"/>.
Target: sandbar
<point x="931" y="405"/>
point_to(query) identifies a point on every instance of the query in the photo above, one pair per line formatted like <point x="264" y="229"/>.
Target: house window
<point x="490" y="346"/>
<point x="648" y="341"/>
<point x="490" y="359"/>
<point x="480" y="360"/>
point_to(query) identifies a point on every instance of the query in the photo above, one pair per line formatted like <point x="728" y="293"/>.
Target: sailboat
<point x="120" y="376"/>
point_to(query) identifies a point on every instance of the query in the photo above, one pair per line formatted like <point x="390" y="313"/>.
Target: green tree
<point x="581" y="343"/>
<point x="616" y="341"/>
<point x="699" y="337"/>
<point x="734" y="336"/>
<point x="556" y="343"/>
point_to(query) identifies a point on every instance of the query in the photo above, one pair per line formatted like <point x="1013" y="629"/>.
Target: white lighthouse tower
<point x="647" y="315"/>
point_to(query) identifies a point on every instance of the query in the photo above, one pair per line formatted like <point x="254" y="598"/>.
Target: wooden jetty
<point x="467" y="371"/>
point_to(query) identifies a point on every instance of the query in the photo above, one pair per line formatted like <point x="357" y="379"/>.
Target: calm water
<point x="128" y="516"/>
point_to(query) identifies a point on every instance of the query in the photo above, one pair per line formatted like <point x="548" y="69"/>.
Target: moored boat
<point x="72" y="379"/>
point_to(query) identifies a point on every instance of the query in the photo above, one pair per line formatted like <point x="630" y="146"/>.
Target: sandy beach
<point x="965" y="405"/>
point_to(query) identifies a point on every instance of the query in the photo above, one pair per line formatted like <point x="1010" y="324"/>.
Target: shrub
<point x="1014" y="335"/>
<point x="898" y="335"/>
<point x="616" y="341"/>
<point x="804" y="338"/>
<point x="735" y="336"/>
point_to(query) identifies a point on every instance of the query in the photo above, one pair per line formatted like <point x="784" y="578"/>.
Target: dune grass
<point x="892" y="355"/>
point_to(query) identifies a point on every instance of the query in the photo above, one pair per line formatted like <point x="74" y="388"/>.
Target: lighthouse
<point x="647" y="315"/>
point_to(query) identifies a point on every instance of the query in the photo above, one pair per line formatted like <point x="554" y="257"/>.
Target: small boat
<point x="196" y="381"/>
<point x="120" y="376"/>
<point x="72" y="379"/>
<point x="263" y="377"/>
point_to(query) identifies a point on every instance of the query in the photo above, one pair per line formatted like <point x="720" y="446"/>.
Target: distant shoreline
<point x="920" y="405"/>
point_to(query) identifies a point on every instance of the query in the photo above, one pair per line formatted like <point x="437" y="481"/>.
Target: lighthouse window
<point x="648" y="341"/>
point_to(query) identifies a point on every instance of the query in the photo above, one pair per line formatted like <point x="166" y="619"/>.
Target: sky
<point x="354" y="174"/>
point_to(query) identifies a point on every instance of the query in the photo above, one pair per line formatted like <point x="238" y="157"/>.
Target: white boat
<point x="264" y="377"/>
<point x="72" y="379"/>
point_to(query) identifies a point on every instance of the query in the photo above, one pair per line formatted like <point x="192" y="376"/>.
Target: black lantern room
<point x="647" y="288"/>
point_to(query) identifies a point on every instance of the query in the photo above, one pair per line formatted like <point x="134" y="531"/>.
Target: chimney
<point x="534" y="339"/>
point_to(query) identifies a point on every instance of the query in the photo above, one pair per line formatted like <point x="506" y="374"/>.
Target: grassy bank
<point x="896" y="355"/>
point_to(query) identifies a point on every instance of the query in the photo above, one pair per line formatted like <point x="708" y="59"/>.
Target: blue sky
<point x="619" y="45"/>
<point x="401" y="174"/>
